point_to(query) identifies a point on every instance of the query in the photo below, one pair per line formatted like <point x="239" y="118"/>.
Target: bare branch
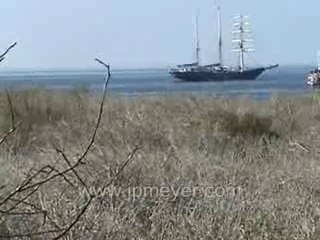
<point x="83" y="211"/>
<point x="6" y="135"/>
<point x="104" y="64"/>
<point x="38" y="209"/>
<point x="64" y="156"/>
<point x="3" y="55"/>
<point x="124" y="165"/>
<point x="24" y="199"/>
<point x="13" y="124"/>
<point x="106" y="82"/>
<point x="24" y="186"/>
<point x="92" y="140"/>
<point x="11" y="110"/>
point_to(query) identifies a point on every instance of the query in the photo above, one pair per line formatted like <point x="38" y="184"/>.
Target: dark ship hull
<point x="206" y="75"/>
<point x="201" y="76"/>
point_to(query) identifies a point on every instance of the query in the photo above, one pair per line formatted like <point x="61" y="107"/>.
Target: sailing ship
<point x="313" y="78"/>
<point x="218" y="71"/>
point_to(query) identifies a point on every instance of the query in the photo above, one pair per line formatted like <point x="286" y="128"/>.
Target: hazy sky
<point x="149" y="33"/>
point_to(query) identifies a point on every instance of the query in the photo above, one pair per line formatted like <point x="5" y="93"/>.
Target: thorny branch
<point x="29" y="187"/>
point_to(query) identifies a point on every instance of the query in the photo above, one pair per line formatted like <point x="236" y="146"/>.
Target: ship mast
<point x="198" y="41"/>
<point x="318" y="60"/>
<point x="241" y="39"/>
<point x="219" y="32"/>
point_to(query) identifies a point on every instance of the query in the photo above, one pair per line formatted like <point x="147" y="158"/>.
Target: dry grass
<point x="269" y="151"/>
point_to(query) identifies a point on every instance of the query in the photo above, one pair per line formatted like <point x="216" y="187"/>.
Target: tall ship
<point x="242" y="44"/>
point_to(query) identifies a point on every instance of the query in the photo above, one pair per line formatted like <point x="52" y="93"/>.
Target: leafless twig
<point x="14" y="125"/>
<point x="4" y="54"/>
<point x="86" y="151"/>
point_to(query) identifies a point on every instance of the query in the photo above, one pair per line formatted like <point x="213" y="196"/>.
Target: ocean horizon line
<point x="97" y="69"/>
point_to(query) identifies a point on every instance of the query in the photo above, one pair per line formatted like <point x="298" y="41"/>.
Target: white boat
<point x="313" y="78"/>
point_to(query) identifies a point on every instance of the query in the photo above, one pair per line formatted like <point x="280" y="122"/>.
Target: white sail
<point x="238" y="24"/>
<point x="240" y="16"/>
<point x="241" y="31"/>
<point x="244" y="50"/>
<point x="242" y="39"/>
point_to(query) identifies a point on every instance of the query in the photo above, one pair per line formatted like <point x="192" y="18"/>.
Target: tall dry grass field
<point x="207" y="169"/>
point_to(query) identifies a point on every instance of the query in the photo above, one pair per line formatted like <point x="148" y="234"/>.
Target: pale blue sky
<point x="149" y="33"/>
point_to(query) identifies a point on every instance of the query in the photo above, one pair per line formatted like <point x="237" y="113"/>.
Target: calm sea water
<point x="284" y="80"/>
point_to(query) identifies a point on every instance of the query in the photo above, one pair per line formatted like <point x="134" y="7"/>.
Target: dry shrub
<point x="245" y="124"/>
<point x="39" y="111"/>
<point x="185" y="142"/>
<point x="38" y="107"/>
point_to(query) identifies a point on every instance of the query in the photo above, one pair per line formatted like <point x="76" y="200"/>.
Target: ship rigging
<point x="242" y="44"/>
